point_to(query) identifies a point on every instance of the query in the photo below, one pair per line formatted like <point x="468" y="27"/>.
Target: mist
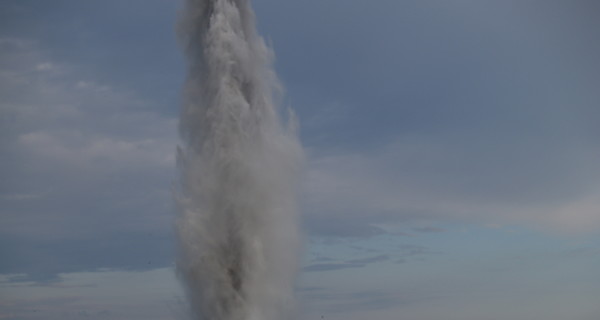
<point x="239" y="163"/>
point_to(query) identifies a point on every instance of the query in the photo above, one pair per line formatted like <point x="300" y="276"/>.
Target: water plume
<point x="237" y="229"/>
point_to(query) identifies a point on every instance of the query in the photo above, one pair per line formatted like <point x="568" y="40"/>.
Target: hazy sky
<point x="453" y="152"/>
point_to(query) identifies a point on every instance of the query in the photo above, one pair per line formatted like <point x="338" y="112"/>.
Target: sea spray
<point x="237" y="230"/>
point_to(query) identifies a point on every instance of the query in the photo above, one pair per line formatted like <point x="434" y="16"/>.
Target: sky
<point x="452" y="172"/>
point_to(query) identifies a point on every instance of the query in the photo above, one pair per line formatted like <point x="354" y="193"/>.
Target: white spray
<point x="237" y="229"/>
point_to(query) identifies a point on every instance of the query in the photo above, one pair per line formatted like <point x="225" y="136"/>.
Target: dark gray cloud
<point x="309" y="289"/>
<point x="428" y="229"/>
<point x="348" y="264"/>
<point x="379" y="258"/>
<point x="331" y="266"/>
<point x="410" y="250"/>
<point x="364" y="249"/>
<point x="324" y="225"/>
<point x="322" y="259"/>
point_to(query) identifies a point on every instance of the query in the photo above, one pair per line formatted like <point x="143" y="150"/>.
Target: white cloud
<point x="81" y="159"/>
<point x="60" y="118"/>
<point x="20" y="196"/>
<point x="109" y="294"/>
<point x="45" y="66"/>
<point x="581" y="214"/>
<point x="416" y="181"/>
<point x="91" y="151"/>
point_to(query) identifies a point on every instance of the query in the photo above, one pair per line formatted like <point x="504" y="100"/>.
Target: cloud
<point x="353" y="263"/>
<point x="435" y="120"/>
<point x="420" y="181"/>
<point x="20" y="196"/>
<point x="331" y="266"/>
<point x="322" y="259"/>
<point x="71" y="149"/>
<point x="379" y="258"/>
<point x="329" y="301"/>
<point x="409" y="250"/>
<point x="86" y="170"/>
<point x="428" y="229"/>
<point x="99" y="295"/>
<point x="468" y="111"/>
